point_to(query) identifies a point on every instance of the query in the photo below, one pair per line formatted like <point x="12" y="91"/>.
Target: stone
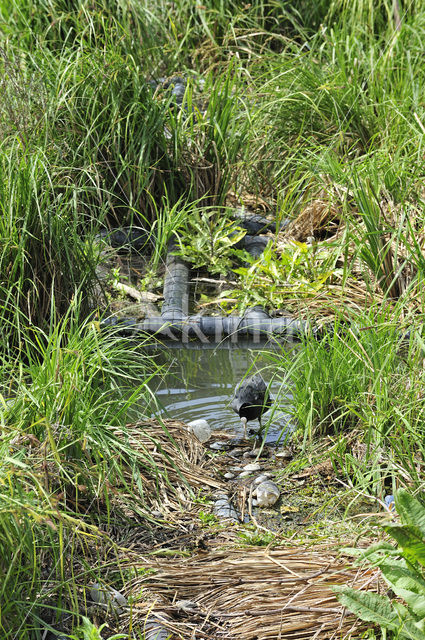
<point x="252" y="466"/>
<point x="218" y="446"/>
<point x="244" y="474"/>
<point x="154" y="630"/>
<point x="220" y="494"/>
<point x="236" y="452"/>
<point x="190" y="606"/>
<point x="224" y="509"/>
<point x="249" y="454"/>
<point x="267" y="494"/>
<point x="108" y="598"/>
<point x="222" y="501"/>
<point x="260" y="479"/>
<point x="200" y="429"/>
<point x="229" y="475"/>
<point x="284" y="454"/>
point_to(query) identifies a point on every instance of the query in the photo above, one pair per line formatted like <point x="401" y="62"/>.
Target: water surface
<point x="201" y="379"/>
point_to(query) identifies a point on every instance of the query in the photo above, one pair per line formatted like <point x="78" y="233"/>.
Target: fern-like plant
<point x="402" y="567"/>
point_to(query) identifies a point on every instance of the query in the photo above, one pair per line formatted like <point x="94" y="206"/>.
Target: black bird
<point x="251" y="399"/>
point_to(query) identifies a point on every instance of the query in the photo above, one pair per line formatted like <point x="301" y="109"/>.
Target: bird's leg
<point x="244" y="421"/>
<point x="255" y="439"/>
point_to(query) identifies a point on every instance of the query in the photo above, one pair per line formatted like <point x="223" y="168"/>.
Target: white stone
<point x="267" y="493"/>
<point x="201" y="429"/>
<point x="260" y="479"/>
<point x="244" y="474"/>
<point x="252" y="466"/>
<point x="229" y="475"/>
<point x="285" y="454"/>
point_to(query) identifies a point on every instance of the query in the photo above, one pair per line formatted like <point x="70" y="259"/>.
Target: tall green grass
<point x="110" y="132"/>
<point x="353" y="92"/>
<point x="297" y="95"/>
<point x="44" y="258"/>
<point x="210" y="136"/>
<point x="65" y="452"/>
<point x="361" y="386"/>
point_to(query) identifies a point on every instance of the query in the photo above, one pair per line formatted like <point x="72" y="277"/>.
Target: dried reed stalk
<point x="174" y="466"/>
<point x="253" y="594"/>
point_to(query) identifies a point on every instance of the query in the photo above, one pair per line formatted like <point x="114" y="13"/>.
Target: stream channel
<point x="200" y="381"/>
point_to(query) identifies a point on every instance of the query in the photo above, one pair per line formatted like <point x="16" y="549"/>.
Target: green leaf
<point x="410" y="540"/>
<point x="401" y="568"/>
<point x="381" y="552"/>
<point x="366" y="553"/>
<point x="368" y="606"/>
<point x="377" y="609"/>
<point x="410" y="509"/>
<point x="409" y="628"/>
<point x="407" y="584"/>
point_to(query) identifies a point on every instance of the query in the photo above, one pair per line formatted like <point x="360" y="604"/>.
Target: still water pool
<point x="200" y="381"/>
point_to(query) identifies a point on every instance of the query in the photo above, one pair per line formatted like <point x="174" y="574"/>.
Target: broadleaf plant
<point x="208" y="238"/>
<point x="402" y="569"/>
<point x="298" y="270"/>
